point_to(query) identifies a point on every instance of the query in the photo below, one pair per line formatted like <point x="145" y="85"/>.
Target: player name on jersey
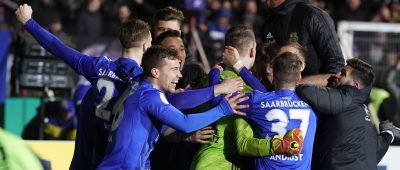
<point x="108" y="73"/>
<point x="280" y="103"/>
<point x="286" y="158"/>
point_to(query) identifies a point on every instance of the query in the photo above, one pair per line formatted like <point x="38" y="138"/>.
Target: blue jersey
<point x="101" y="73"/>
<point x="95" y="121"/>
<point x="144" y="112"/>
<point x="274" y="113"/>
<point x="82" y="88"/>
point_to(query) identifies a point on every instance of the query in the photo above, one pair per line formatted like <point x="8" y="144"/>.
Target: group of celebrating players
<point x="133" y="100"/>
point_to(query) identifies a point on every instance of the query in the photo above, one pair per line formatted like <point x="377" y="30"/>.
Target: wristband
<point x="238" y="66"/>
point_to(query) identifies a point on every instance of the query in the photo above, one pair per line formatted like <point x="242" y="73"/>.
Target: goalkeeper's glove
<point x="290" y="144"/>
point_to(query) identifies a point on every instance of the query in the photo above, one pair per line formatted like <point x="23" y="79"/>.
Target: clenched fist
<point x="23" y="13"/>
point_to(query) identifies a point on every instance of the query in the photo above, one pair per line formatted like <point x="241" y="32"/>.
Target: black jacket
<point x="299" y="21"/>
<point x="345" y="137"/>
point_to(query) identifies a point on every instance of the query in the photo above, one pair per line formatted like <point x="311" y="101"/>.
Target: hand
<point x="229" y="85"/>
<point x="202" y="136"/>
<point x="182" y="89"/>
<point x="23" y="13"/>
<point x="233" y="101"/>
<point x="219" y="67"/>
<point x="293" y="141"/>
<point x="333" y="81"/>
<point x="290" y="144"/>
<point x="230" y="56"/>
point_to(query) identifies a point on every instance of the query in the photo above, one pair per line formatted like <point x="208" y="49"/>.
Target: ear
<point x="155" y="73"/>
<point x="357" y="85"/>
<point x="298" y="78"/>
<point x="252" y="52"/>
<point x="144" y="47"/>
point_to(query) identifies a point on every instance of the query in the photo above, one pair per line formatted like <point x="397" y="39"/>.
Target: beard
<point x="333" y="82"/>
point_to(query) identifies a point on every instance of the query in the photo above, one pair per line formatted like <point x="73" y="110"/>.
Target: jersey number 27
<point x="280" y="127"/>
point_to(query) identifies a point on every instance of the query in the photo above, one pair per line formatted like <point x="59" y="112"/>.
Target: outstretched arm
<point x="80" y="63"/>
<point x="325" y="100"/>
<point x="153" y="103"/>
<point x="200" y="96"/>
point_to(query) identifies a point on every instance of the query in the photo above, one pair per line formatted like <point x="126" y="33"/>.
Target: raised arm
<point x="214" y="76"/>
<point x="154" y="104"/>
<point x="251" y="80"/>
<point x="82" y="64"/>
<point x="326" y="42"/>
<point x="231" y="59"/>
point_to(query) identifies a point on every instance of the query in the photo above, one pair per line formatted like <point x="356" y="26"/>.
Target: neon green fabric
<point x="15" y="154"/>
<point x="222" y="152"/>
<point x="377" y="96"/>
<point x="247" y="145"/>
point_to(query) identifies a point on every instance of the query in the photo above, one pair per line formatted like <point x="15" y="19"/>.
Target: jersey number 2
<point x="101" y="110"/>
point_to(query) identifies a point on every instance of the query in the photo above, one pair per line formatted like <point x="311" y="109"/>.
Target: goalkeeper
<point x="221" y="153"/>
<point x="278" y="112"/>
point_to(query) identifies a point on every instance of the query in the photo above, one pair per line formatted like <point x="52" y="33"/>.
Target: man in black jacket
<point x="299" y="21"/>
<point x="345" y="137"/>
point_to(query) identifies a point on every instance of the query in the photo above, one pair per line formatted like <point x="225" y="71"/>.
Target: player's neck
<point x="134" y="54"/>
<point x="284" y="86"/>
<point x="153" y="82"/>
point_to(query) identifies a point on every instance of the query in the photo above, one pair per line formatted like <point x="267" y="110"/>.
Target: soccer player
<point x="222" y="152"/>
<point x="167" y="19"/>
<point x="146" y="109"/>
<point x="275" y="113"/>
<point x="172" y="39"/>
<point x="103" y="74"/>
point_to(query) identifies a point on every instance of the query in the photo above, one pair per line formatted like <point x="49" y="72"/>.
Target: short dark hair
<point x="241" y="37"/>
<point x="166" y="34"/>
<point x="265" y="54"/>
<point x="133" y="33"/>
<point x="298" y="46"/>
<point x="169" y="13"/>
<point x="286" y="68"/>
<point x="192" y="74"/>
<point x="362" y="71"/>
<point x="154" y="58"/>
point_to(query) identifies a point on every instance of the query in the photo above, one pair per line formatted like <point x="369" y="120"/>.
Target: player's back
<point x="275" y="113"/>
<point x="95" y="116"/>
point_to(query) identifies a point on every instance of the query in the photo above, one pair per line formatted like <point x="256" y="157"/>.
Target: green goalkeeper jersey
<point x="233" y="137"/>
<point x="14" y="154"/>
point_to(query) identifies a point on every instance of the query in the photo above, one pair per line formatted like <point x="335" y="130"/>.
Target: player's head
<point x="287" y="70"/>
<point x="168" y="18"/>
<point x="135" y="34"/>
<point x="242" y="38"/>
<point x="356" y="73"/>
<point x="295" y="48"/>
<point x="161" y="67"/>
<point x="192" y="76"/>
<point x="172" y="39"/>
<point x="263" y="63"/>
